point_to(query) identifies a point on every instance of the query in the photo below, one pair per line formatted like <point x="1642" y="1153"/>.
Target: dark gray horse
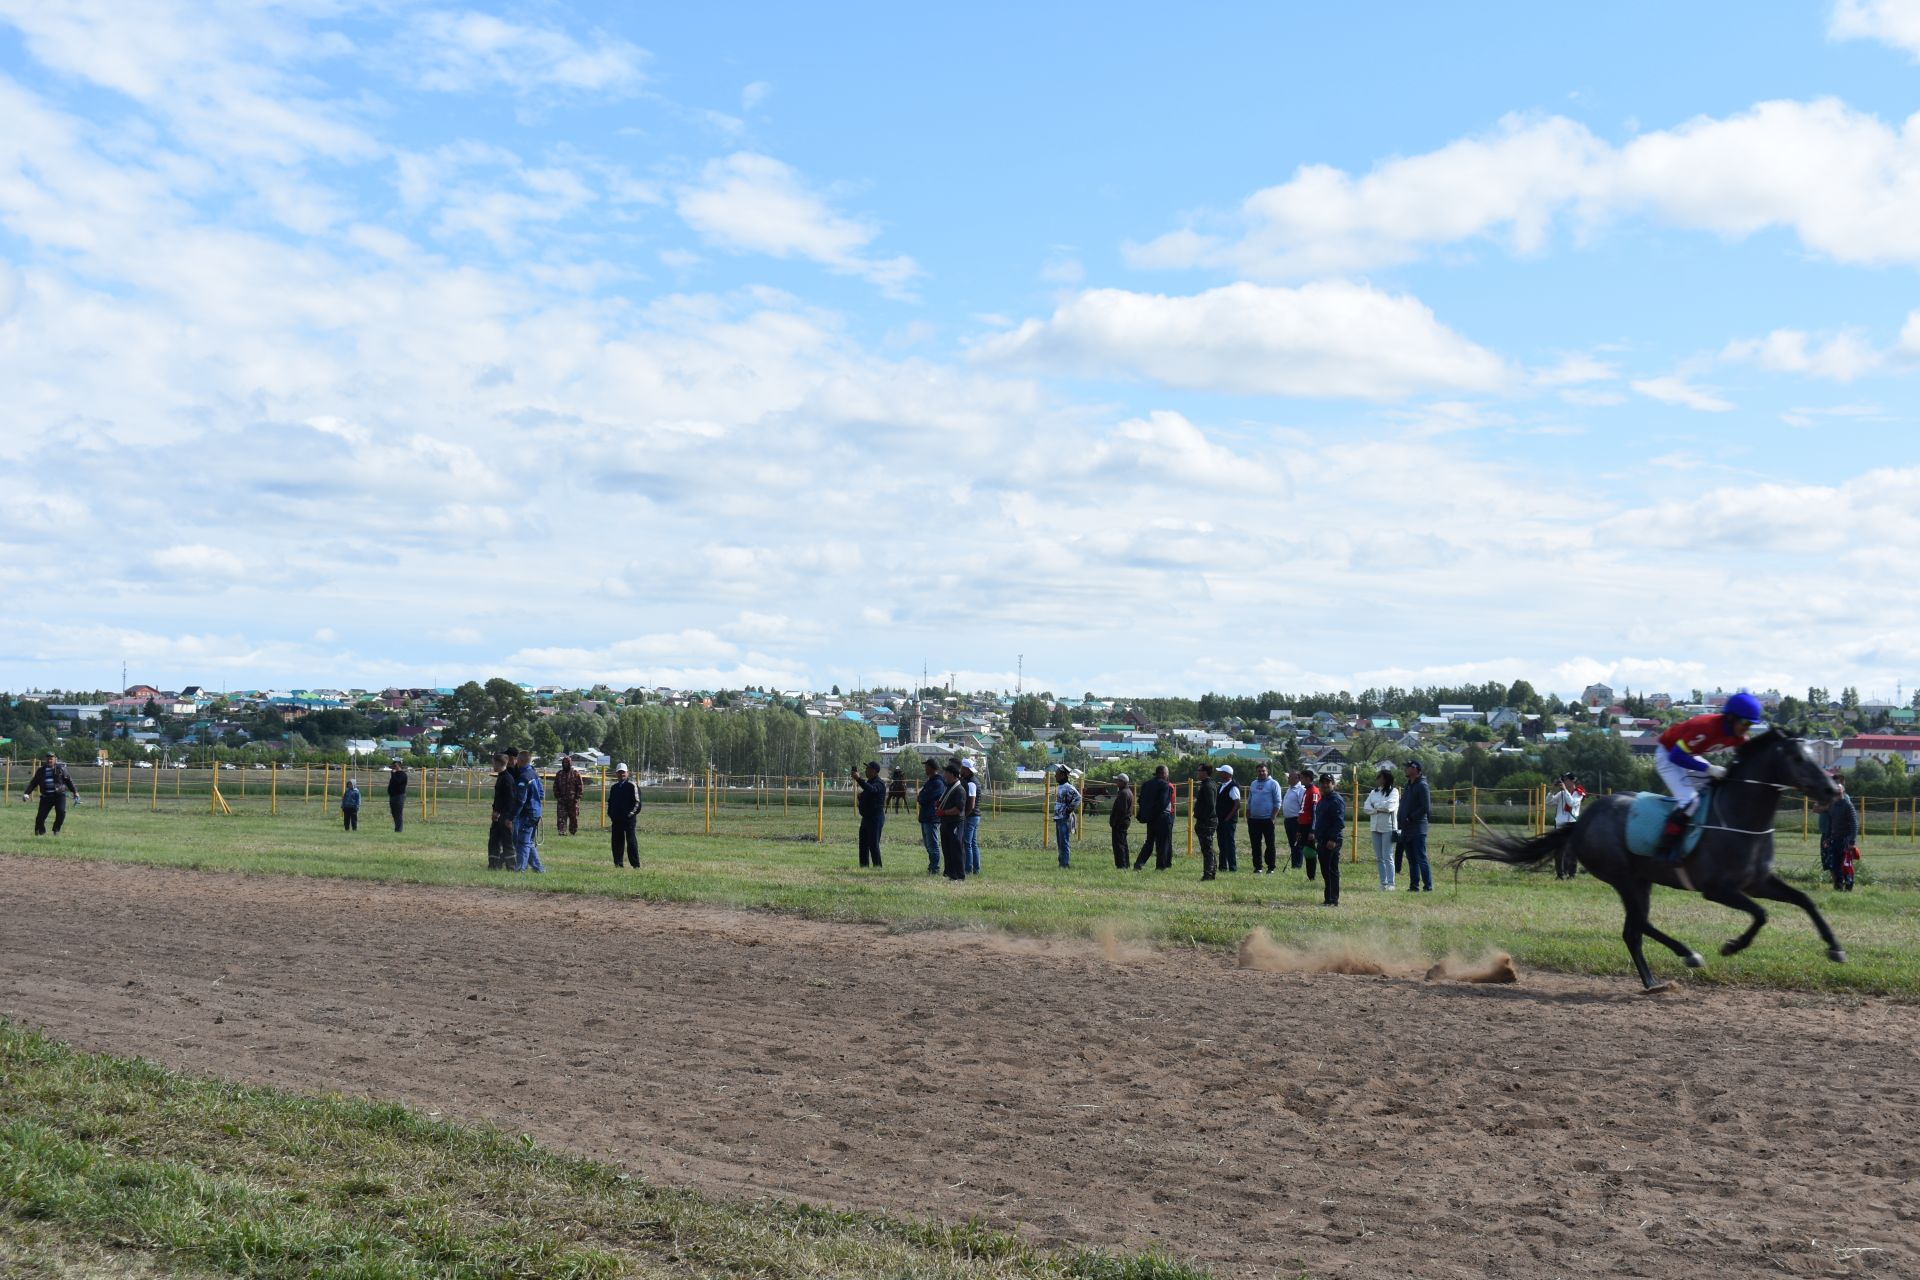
<point x="1732" y="865"/>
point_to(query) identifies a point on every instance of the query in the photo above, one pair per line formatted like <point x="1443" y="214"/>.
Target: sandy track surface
<point x="1263" y="1123"/>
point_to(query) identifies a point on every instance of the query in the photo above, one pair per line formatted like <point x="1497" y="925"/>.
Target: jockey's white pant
<point x="1686" y="784"/>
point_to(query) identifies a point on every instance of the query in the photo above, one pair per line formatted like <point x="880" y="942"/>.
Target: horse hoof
<point x="1836" y="955"/>
<point x="1658" y="988"/>
<point x="1695" y="960"/>
<point x="1730" y="948"/>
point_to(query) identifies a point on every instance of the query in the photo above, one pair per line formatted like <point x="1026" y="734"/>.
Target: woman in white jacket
<point x="1382" y="807"/>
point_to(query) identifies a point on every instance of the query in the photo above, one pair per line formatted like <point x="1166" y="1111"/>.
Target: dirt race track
<point x="1263" y="1123"/>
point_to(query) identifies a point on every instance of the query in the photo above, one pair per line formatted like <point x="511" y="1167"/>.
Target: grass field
<point x="764" y="857"/>
<point x="118" y="1168"/>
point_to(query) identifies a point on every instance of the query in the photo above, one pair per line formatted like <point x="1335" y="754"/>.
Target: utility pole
<point x="1019" y="673"/>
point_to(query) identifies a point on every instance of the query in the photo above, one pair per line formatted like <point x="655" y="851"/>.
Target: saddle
<point x="1648" y="816"/>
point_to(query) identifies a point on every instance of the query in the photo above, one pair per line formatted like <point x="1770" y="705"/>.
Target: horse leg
<point x="1642" y="892"/>
<point x="1777" y="890"/>
<point x="1633" y="896"/>
<point x="1739" y="902"/>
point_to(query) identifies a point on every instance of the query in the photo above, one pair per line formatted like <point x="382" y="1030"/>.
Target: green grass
<point x="116" y="1167"/>
<point x="762" y="857"/>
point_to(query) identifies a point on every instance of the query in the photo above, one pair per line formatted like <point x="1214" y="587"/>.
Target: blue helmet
<point x="1743" y="706"/>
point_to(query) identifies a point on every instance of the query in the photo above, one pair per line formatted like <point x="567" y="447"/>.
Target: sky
<point x="1108" y="347"/>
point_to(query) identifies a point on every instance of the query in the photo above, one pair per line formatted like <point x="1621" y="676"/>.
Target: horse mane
<point x="1765" y="740"/>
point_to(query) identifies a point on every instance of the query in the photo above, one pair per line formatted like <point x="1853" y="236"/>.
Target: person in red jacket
<point x="1681" y="761"/>
<point x="1312" y="799"/>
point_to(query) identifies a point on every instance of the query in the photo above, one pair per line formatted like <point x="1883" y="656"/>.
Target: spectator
<point x="54" y="784"/>
<point x="1839" y="830"/>
<point x="970" y="825"/>
<point x="1264" y="804"/>
<point x="623" y="811"/>
<point x="1206" y="806"/>
<point x="1291" y="804"/>
<point x="1329" y="828"/>
<point x="350" y="807"/>
<point x="871" y="801"/>
<point x="1416" y="807"/>
<point x="1307" y="805"/>
<point x="1564" y="803"/>
<point x="529" y="802"/>
<point x="501" y="850"/>
<point x="1228" y="819"/>
<point x="929" y="802"/>
<point x="568" y="785"/>
<point x="1066" y="803"/>
<point x="1120" y="821"/>
<point x="897" y="791"/>
<point x="1156" y="814"/>
<point x="1383" y="810"/>
<point x="397" y="793"/>
<point x="952" y="809"/>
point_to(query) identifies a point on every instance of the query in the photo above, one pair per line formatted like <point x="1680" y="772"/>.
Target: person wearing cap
<point x="1329" y="829"/>
<point x="54" y="784"/>
<point x="397" y="793"/>
<point x="1206" y="807"/>
<point x="1416" y="808"/>
<point x="1228" y="819"/>
<point x="1564" y="803"/>
<point x="1264" y="804"/>
<point x="1839" y="829"/>
<point x="1066" y="803"/>
<point x="970" y="825"/>
<point x="500" y="846"/>
<point x="569" y="784"/>
<point x="1291" y="803"/>
<point x="1156" y="813"/>
<point x="952" y="808"/>
<point x="1120" y="820"/>
<point x="623" y="813"/>
<point x="928" y="801"/>
<point x="1382" y="807"/>
<point x="1308" y="804"/>
<point x="870" y="800"/>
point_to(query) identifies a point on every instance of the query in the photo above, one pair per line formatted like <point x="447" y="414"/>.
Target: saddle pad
<point x="1648" y="815"/>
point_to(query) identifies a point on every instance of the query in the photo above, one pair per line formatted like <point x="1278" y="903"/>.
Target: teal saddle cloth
<point x="1648" y="816"/>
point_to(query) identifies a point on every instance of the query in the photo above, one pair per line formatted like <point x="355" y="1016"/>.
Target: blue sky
<point x="1266" y="346"/>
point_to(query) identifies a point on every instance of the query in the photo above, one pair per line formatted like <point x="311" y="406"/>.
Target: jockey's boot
<point x="1672" y="834"/>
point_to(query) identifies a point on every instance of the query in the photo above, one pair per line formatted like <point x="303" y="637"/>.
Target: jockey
<point x="1680" y="764"/>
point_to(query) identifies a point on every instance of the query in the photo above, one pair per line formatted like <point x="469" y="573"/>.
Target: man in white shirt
<point x="1290" y="806"/>
<point x="1564" y="803"/>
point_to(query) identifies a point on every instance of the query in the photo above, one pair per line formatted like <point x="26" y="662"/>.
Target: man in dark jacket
<point x="500" y="848"/>
<point x="1416" y="807"/>
<point x="1329" y="829"/>
<point x="871" y="801"/>
<point x="1120" y="820"/>
<point x="623" y="811"/>
<point x="1206" y="803"/>
<point x="1839" y="830"/>
<point x="952" y="810"/>
<point x="54" y="784"/>
<point x="1228" y="819"/>
<point x="397" y="793"/>
<point x="929" y="803"/>
<point x="1156" y="811"/>
<point x="568" y="786"/>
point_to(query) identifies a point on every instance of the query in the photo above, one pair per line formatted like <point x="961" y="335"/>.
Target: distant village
<point x="1492" y="731"/>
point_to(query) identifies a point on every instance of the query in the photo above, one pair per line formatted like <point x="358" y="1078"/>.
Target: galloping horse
<point x="1732" y="864"/>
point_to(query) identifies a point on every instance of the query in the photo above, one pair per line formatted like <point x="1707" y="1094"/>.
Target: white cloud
<point x="1575" y="370"/>
<point x="197" y="560"/>
<point x="1329" y="338"/>
<point x="1843" y="181"/>
<point x="1842" y="357"/>
<point x="1894" y="22"/>
<point x="463" y="51"/>
<point x="755" y="94"/>
<point x="1673" y="388"/>
<point x="749" y="203"/>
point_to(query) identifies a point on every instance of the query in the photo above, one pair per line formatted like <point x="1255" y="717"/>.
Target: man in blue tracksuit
<point x="1066" y="803"/>
<point x="1329" y="829"/>
<point x="529" y="800"/>
<point x="929" y="800"/>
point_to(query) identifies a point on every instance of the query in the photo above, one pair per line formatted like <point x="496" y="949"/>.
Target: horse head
<point x="1780" y="759"/>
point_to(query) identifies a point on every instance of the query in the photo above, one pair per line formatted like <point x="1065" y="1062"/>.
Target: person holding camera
<point x="870" y="800"/>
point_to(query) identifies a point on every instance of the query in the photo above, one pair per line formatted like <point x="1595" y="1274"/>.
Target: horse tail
<point x="1514" y="851"/>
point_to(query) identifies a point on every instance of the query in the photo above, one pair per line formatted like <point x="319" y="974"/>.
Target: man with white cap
<point x="970" y="825"/>
<point x="1228" y="818"/>
<point x="623" y="813"/>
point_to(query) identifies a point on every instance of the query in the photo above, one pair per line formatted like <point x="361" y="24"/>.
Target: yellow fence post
<point x="306" y="795"/>
<point x="706" y="807"/>
<point x="1046" y="823"/>
<point x="820" y="792"/>
<point x="104" y="778"/>
<point x="603" y="797"/>
<point x="786" y="791"/>
<point x="326" y="781"/>
<point x="1804" y="809"/>
<point x="154" y="805"/>
<point x="273" y="791"/>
